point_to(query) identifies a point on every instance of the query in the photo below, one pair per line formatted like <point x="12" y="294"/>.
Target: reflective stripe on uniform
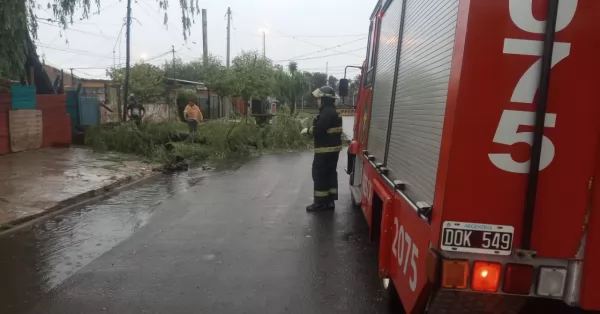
<point x="333" y="191"/>
<point x="334" y="130"/>
<point x="332" y="149"/>
<point x="321" y="193"/>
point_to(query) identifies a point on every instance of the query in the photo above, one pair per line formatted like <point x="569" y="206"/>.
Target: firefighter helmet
<point x="325" y="91"/>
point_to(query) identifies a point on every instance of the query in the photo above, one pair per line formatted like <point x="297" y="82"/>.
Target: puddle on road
<point x="33" y="261"/>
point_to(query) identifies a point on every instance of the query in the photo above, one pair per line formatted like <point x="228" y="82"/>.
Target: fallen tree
<point x="166" y="142"/>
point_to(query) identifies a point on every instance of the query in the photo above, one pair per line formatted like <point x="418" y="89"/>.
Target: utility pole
<point x="327" y="73"/>
<point x="228" y="34"/>
<point x="173" y="52"/>
<point x="72" y="79"/>
<point x="264" y="45"/>
<point x="204" y="37"/>
<point x="169" y="94"/>
<point x="127" y="60"/>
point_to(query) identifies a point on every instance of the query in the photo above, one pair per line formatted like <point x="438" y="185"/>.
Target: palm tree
<point x="293" y="67"/>
<point x="297" y="84"/>
<point x="290" y="86"/>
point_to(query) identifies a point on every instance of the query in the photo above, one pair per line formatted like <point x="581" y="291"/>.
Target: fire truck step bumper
<point x="461" y="302"/>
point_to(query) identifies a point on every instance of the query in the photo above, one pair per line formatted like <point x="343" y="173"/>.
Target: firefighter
<point x="327" y="133"/>
<point x="135" y="110"/>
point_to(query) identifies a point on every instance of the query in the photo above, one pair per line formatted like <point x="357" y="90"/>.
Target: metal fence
<point x="89" y="110"/>
<point x="211" y="107"/>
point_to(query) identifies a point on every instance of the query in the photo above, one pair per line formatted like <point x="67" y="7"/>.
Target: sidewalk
<point x="36" y="182"/>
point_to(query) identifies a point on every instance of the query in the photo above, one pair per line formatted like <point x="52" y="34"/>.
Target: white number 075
<point x="412" y="252"/>
<point x="507" y="133"/>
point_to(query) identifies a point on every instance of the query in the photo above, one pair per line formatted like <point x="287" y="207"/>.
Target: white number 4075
<point x="403" y="243"/>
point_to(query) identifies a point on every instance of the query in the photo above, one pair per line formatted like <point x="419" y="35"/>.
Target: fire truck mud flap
<point x="461" y="302"/>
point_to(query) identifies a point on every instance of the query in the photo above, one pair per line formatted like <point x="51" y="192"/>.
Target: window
<point x="370" y="47"/>
<point x="371" y="51"/>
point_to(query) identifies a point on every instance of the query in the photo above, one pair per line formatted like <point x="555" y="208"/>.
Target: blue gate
<point x="89" y="111"/>
<point x="73" y="108"/>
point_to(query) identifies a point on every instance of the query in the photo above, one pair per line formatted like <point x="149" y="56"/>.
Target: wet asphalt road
<point x="236" y="241"/>
<point x="232" y="240"/>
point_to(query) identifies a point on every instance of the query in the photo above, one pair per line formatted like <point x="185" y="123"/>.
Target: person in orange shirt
<point x="193" y="116"/>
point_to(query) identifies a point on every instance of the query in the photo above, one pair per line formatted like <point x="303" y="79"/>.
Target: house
<point x="89" y="87"/>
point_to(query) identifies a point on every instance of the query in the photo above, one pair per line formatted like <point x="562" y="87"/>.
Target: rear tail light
<point x="455" y="274"/>
<point x="486" y="276"/>
<point x="551" y="281"/>
<point x="518" y="279"/>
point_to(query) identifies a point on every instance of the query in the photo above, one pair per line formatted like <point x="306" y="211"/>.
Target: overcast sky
<point x="296" y="29"/>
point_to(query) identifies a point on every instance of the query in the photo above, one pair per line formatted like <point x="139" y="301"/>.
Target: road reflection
<point x="37" y="259"/>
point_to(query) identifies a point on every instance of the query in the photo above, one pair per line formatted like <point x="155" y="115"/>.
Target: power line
<point x="330" y="67"/>
<point x="307" y="42"/>
<point x="330" y="48"/>
<point x="327" y="36"/>
<point x="141" y="3"/>
<point x="325" y="56"/>
<point x="118" y="37"/>
<point x="108" y="66"/>
<point x="80" y="52"/>
<point x="77" y="30"/>
<point x="304" y="41"/>
<point x="90" y="75"/>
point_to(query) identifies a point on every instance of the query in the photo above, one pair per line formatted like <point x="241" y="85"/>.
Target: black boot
<point x="315" y="207"/>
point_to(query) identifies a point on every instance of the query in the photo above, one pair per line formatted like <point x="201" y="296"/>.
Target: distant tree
<point x="353" y="90"/>
<point x="290" y="86"/>
<point x="333" y="82"/>
<point x="293" y="67"/>
<point x="252" y="76"/>
<point x="317" y="79"/>
<point x="215" y="76"/>
<point x="146" y="81"/>
<point x="178" y="69"/>
<point x="314" y="80"/>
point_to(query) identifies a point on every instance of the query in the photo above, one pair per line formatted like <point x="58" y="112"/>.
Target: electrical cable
<point x="79" y="52"/>
<point x="161" y="24"/>
<point x="319" y="57"/>
<point x="76" y="30"/>
<point x="304" y="41"/>
<point x="330" y="48"/>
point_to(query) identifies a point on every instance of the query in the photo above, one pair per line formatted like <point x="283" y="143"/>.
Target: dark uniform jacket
<point x="327" y="130"/>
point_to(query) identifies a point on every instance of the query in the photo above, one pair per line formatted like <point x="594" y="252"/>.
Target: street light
<point x="264" y="30"/>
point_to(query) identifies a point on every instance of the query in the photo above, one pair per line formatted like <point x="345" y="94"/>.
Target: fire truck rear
<point x="475" y="152"/>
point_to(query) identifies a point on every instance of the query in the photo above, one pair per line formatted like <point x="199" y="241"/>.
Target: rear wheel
<point x="390" y="296"/>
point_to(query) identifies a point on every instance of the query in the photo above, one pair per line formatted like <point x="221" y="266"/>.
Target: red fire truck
<point x="475" y="152"/>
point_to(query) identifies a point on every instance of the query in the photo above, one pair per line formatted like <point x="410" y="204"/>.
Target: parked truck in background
<point x="475" y="152"/>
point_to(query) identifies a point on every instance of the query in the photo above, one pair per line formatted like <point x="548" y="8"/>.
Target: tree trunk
<point x="293" y="107"/>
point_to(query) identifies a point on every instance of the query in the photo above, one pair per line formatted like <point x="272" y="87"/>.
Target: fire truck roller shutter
<point x="421" y="93"/>
<point x="384" y="79"/>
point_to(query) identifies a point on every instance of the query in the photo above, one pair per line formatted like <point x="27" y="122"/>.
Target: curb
<point x="77" y="201"/>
